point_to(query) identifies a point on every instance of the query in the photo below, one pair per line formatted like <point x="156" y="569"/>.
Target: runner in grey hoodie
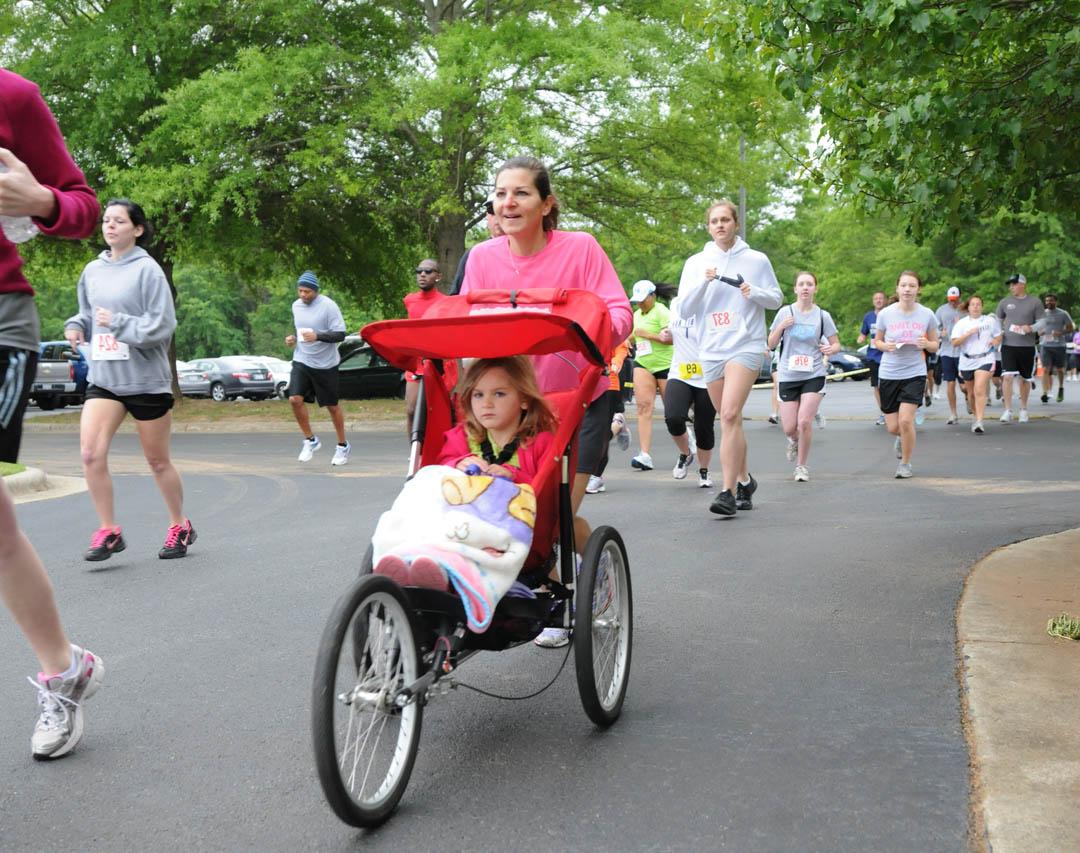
<point x="727" y="287"/>
<point x="126" y="316"/>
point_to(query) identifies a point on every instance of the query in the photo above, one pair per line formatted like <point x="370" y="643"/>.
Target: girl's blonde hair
<point x="536" y="417"/>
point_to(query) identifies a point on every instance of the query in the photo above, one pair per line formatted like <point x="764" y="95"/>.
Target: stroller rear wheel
<point x="365" y="745"/>
<point x="603" y="626"/>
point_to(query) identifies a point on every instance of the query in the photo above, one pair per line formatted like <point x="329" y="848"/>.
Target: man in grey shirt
<point x="319" y="329"/>
<point x="948" y="355"/>
<point x="1018" y="314"/>
<point x="1053" y="327"/>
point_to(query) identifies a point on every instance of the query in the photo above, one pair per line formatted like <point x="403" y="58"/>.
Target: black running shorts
<point x="142" y="407"/>
<point x="1017" y="361"/>
<point x="897" y="391"/>
<point x="789" y="392"/>
<point x="17" y="370"/>
<point x="318" y="384"/>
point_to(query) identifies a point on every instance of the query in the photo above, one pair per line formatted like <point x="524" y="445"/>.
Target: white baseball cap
<point x="641" y="290"/>
<point x="953" y="293"/>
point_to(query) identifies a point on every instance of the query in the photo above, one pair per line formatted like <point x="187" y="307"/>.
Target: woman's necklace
<point x="504" y="456"/>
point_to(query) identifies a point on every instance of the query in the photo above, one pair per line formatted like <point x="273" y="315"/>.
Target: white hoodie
<point x="729" y="323"/>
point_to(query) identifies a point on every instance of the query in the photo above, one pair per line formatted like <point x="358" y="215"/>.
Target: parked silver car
<point x="231" y="377"/>
<point x="193" y="381"/>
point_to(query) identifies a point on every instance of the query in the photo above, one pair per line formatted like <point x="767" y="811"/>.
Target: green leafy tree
<point x="944" y="109"/>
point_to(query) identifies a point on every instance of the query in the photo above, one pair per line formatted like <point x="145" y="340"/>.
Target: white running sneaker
<point x="622" y="438"/>
<point x="898" y="448"/>
<point x="1006" y="416"/>
<point x="880" y="421"/>
<point x="682" y="466"/>
<point x="553" y="638"/>
<point x="937" y="395"/>
<point x="774" y="419"/>
<point x="1023" y="416"/>
<point x="308" y="450"/>
<point x="802" y="474"/>
<point x="977" y="428"/>
<point x="341" y="454"/>
<point x="903" y="471"/>
<point x="792" y="449"/>
<point x="704" y="480"/>
<point x="920" y="416"/>
<point x="819" y="420"/>
<point x="952" y="419"/>
<point x="643" y="462"/>
<point x="595" y="485"/>
<point x="60" y="726"/>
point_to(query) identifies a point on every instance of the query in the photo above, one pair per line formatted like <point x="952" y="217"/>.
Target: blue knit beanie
<point x="308" y="279"/>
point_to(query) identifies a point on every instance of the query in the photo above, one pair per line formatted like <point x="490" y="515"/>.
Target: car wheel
<point x="217" y="393"/>
<point x="46" y="404"/>
<point x="282" y="390"/>
<point x="401" y="390"/>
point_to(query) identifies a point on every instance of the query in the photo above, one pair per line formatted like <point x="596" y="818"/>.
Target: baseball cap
<point x="953" y="293"/>
<point x="642" y="289"/>
<point x="1016" y="278"/>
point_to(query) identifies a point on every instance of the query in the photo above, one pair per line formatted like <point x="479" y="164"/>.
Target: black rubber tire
<point x="603" y="703"/>
<point x="217" y="393"/>
<point x="367" y="562"/>
<point x="46" y="404"/>
<point x="281" y="390"/>
<point x="401" y="390"/>
<point x="367" y="591"/>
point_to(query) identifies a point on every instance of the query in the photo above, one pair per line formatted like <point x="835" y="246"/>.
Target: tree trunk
<point x="449" y="245"/>
<point x="157" y="251"/>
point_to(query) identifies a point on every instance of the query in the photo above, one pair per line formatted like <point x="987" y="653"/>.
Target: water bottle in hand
<point x="18" y="229"/>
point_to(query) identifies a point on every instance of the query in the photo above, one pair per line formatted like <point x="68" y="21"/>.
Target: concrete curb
<point x="1020" y="687"/>
<point x="30" y="480"/>
<point x="33" y="484"/>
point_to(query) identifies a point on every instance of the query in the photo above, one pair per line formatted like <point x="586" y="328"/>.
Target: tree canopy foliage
<point x="350" y="137"/>
<point x="945" y="109"/>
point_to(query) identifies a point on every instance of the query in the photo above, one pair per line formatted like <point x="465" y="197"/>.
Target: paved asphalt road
<point x="792" y="687"/>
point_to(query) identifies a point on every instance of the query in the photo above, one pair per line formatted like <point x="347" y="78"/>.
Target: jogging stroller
<point x="387" y="650"/>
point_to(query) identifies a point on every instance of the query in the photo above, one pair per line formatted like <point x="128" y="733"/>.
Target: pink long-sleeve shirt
<point x="570" y="259"/>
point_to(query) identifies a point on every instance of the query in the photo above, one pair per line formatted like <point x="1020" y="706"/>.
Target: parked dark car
<point x="365" y="373"/>
<point x="845" y="361"/>
<point x="230" y="378"/>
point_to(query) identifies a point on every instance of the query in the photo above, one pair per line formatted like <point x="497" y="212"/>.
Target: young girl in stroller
<point x="508" y="425"/>
<point x="467" y="521"/>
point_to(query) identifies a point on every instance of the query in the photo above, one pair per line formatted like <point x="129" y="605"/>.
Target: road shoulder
<point x="1021" y="689"/>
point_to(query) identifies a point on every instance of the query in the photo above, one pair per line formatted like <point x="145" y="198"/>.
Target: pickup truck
<point x="61" y="376"/>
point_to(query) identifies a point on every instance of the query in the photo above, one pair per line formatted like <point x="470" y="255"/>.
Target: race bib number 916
<point x="800" y="363"/>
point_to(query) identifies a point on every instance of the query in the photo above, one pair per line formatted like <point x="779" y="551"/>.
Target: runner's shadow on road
<point x="109" y="566"/>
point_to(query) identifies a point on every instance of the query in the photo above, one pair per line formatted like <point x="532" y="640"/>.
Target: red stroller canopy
<point x="495" y="323"/>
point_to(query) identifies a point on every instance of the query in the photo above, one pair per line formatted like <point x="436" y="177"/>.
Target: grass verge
<point x="7" y="468"/>
<point x="188" y="411"/>
<point x="1064" y="626"/>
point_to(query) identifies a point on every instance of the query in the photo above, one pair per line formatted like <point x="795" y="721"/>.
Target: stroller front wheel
<point x="365" y="744"/>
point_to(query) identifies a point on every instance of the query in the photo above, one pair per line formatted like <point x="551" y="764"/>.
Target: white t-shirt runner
<point x="978" y="349"/>
<point x="904" y="328"/>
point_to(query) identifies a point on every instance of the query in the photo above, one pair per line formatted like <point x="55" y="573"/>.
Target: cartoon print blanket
<point x="447" y="529"/>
